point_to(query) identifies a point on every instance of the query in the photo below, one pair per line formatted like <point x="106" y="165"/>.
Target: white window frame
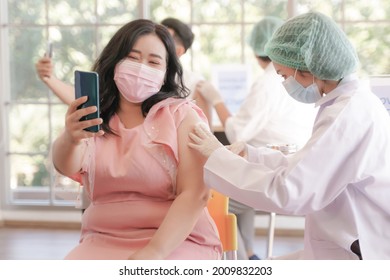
<point x="144" y="7"/>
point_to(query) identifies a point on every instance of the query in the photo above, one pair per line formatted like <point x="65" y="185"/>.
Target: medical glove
<point x="238" y="148"/>
<point x="209" y="92"/>
<point x="203" y="140"/>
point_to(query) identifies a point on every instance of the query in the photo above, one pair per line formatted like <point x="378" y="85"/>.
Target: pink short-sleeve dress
<point x="130" y="180"/>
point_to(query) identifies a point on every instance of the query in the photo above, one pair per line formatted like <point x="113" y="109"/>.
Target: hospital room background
<point x="31" y="116"/>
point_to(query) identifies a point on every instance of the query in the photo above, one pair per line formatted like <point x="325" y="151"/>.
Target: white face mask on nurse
<point x="302" y="86"/>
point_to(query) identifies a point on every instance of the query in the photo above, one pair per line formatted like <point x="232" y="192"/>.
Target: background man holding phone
<point x="44" y="67"/>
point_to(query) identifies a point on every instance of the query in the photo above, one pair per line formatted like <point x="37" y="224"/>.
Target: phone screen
<point x="87" y="84"/>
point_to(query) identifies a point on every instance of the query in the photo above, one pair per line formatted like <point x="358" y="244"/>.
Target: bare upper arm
<point x="190" y="167"/>
<point x="205" y="106"/>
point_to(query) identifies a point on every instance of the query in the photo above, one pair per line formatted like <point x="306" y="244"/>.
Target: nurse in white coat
<point x="268" y="115"/>
<point x="340" y="180"/>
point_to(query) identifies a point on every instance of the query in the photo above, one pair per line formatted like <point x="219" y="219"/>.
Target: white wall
<point x="282" y="222"/>
<point x="2" y="145"/>
<point x="1" y="214"/>
<point x="44" y="216"/>
<point x="3" y="87"/>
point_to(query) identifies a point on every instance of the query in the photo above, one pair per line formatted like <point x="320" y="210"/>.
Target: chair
<point x="226" y="223"/>
<point x="271" y="231"/>
<point x="286" y="149"/>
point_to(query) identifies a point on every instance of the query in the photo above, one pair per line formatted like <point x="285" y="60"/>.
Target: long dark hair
<point x="117" y="49"/>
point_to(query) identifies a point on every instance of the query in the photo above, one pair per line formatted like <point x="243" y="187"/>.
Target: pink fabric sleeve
<point x="86" y="176"/>
<point x="161" y="126"/>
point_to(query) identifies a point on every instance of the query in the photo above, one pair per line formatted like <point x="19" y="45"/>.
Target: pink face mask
<point x="136" y="81"/>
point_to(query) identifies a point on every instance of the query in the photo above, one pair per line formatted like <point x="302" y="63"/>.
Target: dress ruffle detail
<point x="160" y="128"/>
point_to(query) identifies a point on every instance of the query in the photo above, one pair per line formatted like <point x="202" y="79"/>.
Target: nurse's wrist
<point x="250" y="154"/>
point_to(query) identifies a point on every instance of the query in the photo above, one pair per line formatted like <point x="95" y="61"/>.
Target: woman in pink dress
<point x="148" y="199"/>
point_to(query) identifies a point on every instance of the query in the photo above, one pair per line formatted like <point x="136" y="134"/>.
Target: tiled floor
<point x="54" y="244"/>
<point x="36" y="244"/>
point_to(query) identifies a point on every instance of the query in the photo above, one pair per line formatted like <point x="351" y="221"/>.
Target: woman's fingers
<point x="75" y="126"/>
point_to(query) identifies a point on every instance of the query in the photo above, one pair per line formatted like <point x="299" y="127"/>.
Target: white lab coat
<point x="269" y="115"/>
<point x="340" y="180"/>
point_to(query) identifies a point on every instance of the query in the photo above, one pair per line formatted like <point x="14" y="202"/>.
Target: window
<point x="31" y="116"/>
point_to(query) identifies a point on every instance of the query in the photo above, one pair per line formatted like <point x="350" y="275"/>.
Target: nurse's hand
<point x="203" y="140"/>
<point x="238" y="148"/>
<point x="209" y="92"/>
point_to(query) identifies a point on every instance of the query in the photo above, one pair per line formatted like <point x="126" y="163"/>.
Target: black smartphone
<point x="87" y="84"/>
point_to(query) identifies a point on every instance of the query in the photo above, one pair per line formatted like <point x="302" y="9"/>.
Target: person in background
<point x="64" y="91"/>
<point x="145" y="121"/>
<point x="268" y="115"/>
<point x="340" y="180"/>
<point x="183" y="38"/>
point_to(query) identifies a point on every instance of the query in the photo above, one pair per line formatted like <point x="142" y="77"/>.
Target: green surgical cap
<point x="313" y="42"/>
<point x="262" y="32"/>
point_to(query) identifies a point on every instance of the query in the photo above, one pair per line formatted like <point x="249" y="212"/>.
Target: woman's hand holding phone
<point x="74" y="128"/>
<point x="87" y="84"/>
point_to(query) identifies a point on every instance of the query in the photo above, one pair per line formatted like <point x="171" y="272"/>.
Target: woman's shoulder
<point x="171" y="103"/>
<point x="176" y="108"/>
<point x="164" y="119"/>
